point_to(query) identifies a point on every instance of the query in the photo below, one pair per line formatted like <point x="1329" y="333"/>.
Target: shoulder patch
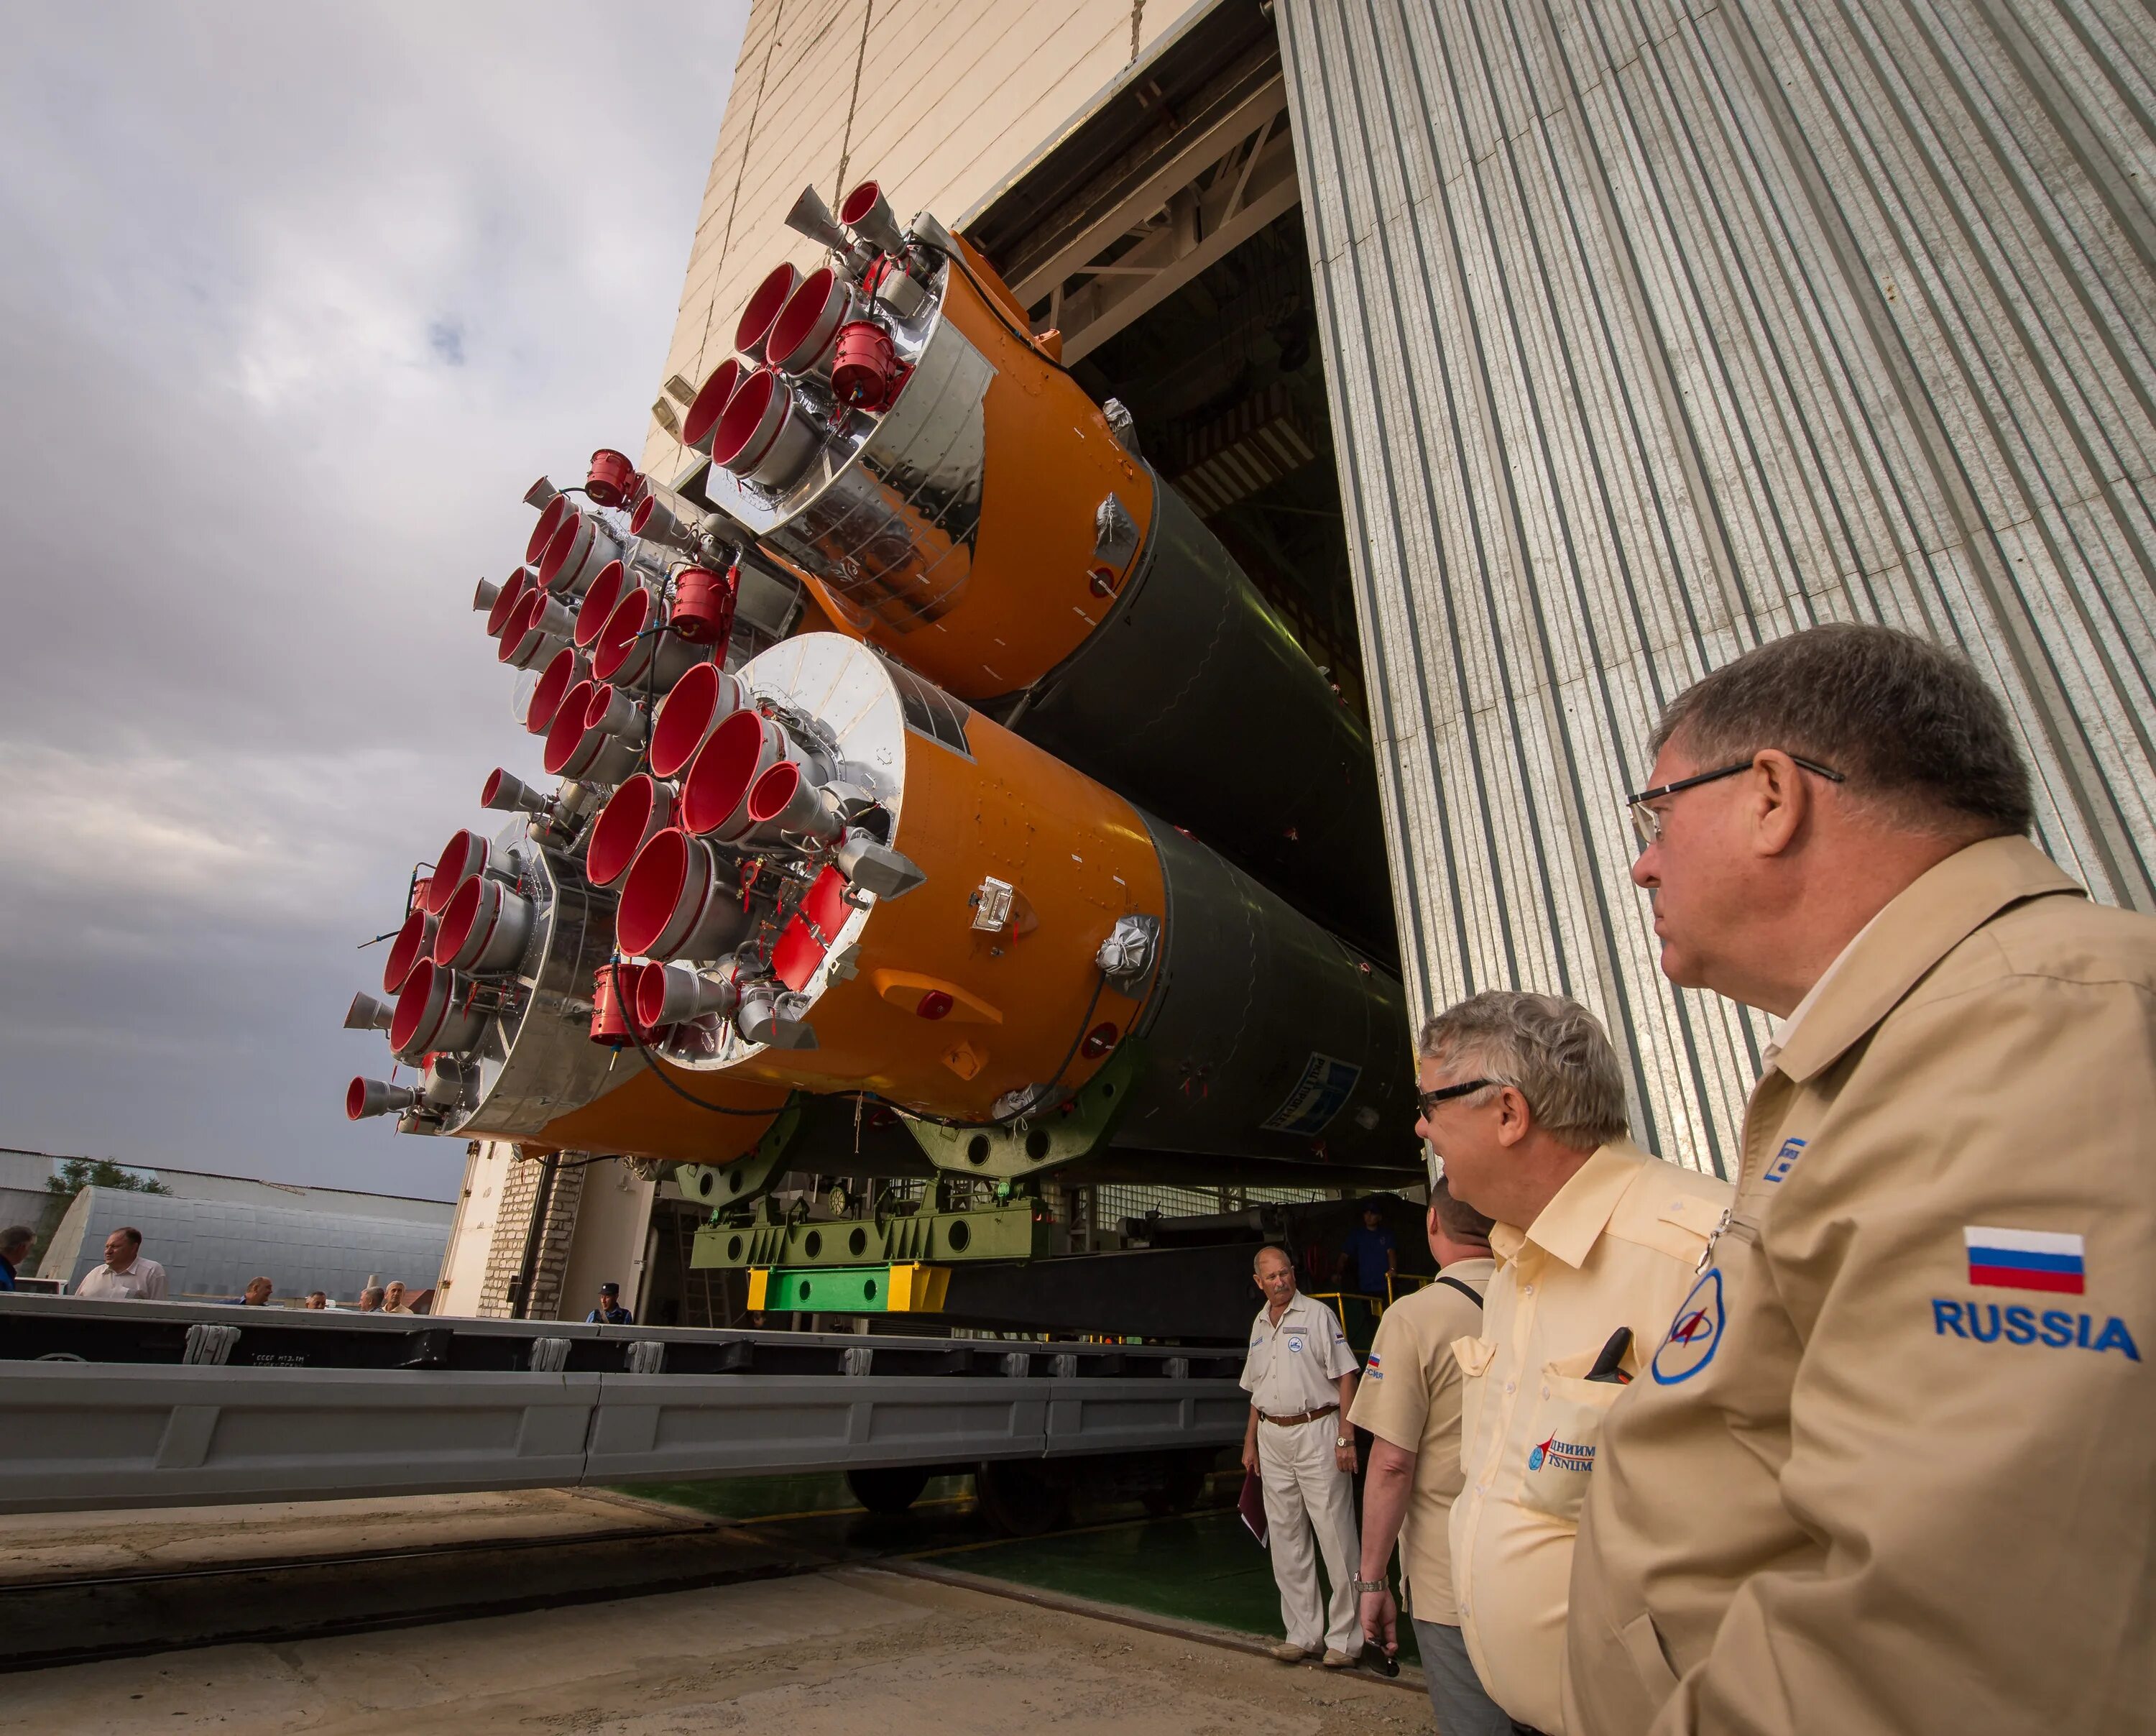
<point x="1784" y="1160"/>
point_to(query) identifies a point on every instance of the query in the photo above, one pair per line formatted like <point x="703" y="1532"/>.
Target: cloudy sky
<point x="295" y="301"/>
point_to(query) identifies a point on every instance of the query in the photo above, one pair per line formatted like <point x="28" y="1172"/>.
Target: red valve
<point x="613" y="478"/>
<point x="934" y="1004"/>
<point x="704" y="605"/>
<point x="609" y="1023"/>
<point x="1098" y="1042"/>
<point x="865" y="374"/>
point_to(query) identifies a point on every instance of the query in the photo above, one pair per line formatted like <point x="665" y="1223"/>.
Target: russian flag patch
<point x="2025" y="1260"/>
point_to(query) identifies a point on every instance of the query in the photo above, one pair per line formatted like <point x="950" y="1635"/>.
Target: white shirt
<point x="142" y="1281"/>
<point x="1296" y="1362"/>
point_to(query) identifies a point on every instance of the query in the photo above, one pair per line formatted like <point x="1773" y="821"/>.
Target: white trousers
<point x="1305" y="1491"/>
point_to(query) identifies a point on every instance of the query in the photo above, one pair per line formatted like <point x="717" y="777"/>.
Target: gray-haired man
<point x="1300" y="1377"/>
<point x="1523" y="1100"/>
<point x="1892" y="1471"/>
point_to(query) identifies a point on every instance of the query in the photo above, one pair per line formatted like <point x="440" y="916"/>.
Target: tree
<point x="76" y="1174"/>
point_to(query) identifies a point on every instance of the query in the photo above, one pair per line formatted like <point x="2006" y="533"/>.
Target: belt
<point x="1302" y="1417"/>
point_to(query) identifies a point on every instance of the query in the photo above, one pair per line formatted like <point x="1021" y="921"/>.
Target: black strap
<point x="1465" y="1288"/>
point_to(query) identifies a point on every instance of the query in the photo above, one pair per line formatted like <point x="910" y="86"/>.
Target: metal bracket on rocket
<point x="1060" y="1134"/>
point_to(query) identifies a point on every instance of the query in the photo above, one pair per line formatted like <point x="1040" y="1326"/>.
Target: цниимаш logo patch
<point x="1694" y="1335"/>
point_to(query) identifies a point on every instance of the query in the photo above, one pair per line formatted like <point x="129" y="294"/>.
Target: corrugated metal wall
<point x="1655" y="330"/>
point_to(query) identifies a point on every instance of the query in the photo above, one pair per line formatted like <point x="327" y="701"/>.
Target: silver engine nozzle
<point x="366" y="1013"/>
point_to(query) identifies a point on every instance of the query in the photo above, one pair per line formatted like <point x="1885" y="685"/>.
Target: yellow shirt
<point x="1616" y="1247"/>
<point x="1410" y="1397"/>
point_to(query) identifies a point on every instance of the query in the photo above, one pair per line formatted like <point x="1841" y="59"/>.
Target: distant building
<point x="212" y="1233"/>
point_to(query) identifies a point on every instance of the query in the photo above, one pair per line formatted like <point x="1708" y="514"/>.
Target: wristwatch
<point x="1344" y="1439"/>
<point x="1363" y="1588"/>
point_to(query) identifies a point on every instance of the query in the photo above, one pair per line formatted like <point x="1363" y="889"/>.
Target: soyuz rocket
<point x="915" y="745"/>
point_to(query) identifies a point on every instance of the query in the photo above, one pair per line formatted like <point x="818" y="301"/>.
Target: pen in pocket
<point x="1613" y="1353"/>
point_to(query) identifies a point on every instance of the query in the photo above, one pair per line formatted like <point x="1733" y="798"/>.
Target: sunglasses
<point x="1445" y="1093"/>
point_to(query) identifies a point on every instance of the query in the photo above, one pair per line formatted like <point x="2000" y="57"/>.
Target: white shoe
<point x="1339" y="1660"/>
<point x="1290" y="1653"/>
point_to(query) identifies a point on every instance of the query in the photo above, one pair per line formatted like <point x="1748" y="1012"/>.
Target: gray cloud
<point x="295" y="302"/>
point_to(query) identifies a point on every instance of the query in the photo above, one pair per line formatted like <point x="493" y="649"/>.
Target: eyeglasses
<point x="1445" y="1093"/>
<point x="1647" y="822"/>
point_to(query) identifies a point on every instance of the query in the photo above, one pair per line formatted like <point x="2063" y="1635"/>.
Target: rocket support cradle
<point x="809" y="870"/>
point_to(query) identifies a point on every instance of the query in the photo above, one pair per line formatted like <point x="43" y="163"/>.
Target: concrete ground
<point x="849" y="1651"/>
<point x="39" y="1546"/>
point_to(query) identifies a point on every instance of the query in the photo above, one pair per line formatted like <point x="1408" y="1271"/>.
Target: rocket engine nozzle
<point x="364" y="1097"/>
<point x="677" y="993"/>
<point x="701" y="421"/>
<point x="506" y="794"/>
<point x="512" y="592"/>
<point x="526" y="644"/>
<point x="678" y="901"/>
<point x="413" y="941"/>
<point x="744" y="746"/>
<point x="434" y="1011"/>
<point x="467" y="853"/>
<point x="635" y="814"/>
<point x="574" y="749"/>
<point x="541" y="494"/>
<point x="485" y="927"/>
<point x="564" y="671"/>
<point x="753" y="330"/>
<point x="576" y="554"/>
<point x="765" y="435"/>
<point x="782" y="804"/>
<point x="804" y="336"/>
<point x="556" y="513"/>
<point x="613" y="709"/>
<point x="694" y="706"/>
<point x="811" y="217"/>
<point x="366" y="1013"/>
<point x="633" y="649"/>
<point x="868" y="214"/>
<point x="607" y="590"/>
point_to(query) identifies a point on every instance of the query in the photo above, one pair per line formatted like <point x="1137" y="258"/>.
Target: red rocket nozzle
<point x="868" y="214"/>
<point x="577" y="554"/>
<point x="364" y="1097"/>
<point x="637" y="812"/>
<point x="612" y="479"/>
<point x="765" y="435"/>
<point x="690" y="712"/>
<point x="715" y="797"/>
<point x="676" y="904"/>
<point x="801" y="337"/>
<point x="764" y="306"/>
<point x="567" y="728"/>
<point x="711" y="403"/>
<point x="433" y="1013"/>
<point x="512" y="593"/>
<point x="465" y="855"/>
<point x="413" y="941"/>
<point x="599" y="603"/>
<point x="485" y="927"/>
<point x="558" y="509"/>
<point x="562" y="673"/>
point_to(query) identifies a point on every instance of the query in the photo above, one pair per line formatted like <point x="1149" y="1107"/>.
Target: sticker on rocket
<point x="1325" y="1085"/>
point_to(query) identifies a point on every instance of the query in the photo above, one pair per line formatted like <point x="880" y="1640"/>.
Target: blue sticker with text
<point x="1785" y="1159"/>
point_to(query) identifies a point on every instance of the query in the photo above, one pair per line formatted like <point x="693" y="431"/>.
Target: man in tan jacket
<point x="1410" y="1401"/>
<point x="1523" y="1100"/>
<point x="1890" y="1469"/>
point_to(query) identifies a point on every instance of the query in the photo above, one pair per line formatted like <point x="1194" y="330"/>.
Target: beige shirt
<point x="1410" y="1397"/>
<point x="1617" y="1246"/>
<point x="1296" y="1362"/>
<point x="1877" y="1480"/>
<point x="142" y="1281"/>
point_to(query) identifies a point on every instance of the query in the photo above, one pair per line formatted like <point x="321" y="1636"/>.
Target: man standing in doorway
<point x="1300" y="1378"/>
<point x="1410" y="1401"/>
<point x="127" y="1274"/>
